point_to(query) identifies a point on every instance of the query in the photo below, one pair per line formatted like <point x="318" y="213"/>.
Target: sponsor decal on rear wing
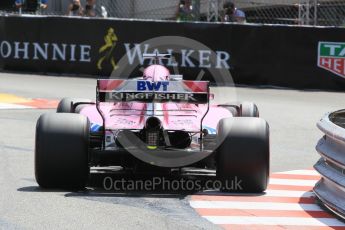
<point x="196" y="92"/>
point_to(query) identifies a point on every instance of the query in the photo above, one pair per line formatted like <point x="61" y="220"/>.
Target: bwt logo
<point x="152" y="86"/>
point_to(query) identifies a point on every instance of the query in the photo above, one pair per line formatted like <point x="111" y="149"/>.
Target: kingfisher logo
<point x="152" y="86"/>
<point x="331" y="57"/>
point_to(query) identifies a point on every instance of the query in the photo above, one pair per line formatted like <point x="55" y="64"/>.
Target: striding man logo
<point x="107" y="50"/>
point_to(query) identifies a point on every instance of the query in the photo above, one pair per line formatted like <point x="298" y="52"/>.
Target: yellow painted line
<point x="10" y="98"/>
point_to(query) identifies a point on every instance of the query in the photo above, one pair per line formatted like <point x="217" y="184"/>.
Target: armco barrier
<point x="287" y="56"/>
<point x="331" y="188"/>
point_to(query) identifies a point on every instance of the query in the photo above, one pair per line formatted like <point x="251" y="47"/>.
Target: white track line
<point x="268" y="193"/>
<point x="254" y="205"/>
<point x="13" y="106"/>
<point x="293" y="182"/>
<point x="301" y="172"/>
<point x="295" y="221"/>
<point x="288" y="193"/>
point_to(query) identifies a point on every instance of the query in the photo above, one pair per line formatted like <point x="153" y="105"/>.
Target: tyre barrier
<point x="330" y="189"/>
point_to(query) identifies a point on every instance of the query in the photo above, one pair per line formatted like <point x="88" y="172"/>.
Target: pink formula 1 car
<point x="152" y="123"/>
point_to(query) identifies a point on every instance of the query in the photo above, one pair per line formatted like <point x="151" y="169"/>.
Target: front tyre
<point x="66" y="105"/>
<point x="243" y="154"/>
<point x="248" y="109"/>
<point x="61" y="151"/>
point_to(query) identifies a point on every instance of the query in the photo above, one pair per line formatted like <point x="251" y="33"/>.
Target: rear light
<point x="153" y="128"/>
<point x="152" y="138"/>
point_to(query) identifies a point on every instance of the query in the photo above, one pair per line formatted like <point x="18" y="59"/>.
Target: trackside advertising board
<point x="258" y="55"/>
<point x="331" y="57"/>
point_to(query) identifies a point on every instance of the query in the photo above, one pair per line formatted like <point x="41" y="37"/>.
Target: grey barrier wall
<point x="331" y="188"/>
<point x="286" y="56"/>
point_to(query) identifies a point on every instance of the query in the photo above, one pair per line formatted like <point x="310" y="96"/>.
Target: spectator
<point x="185" y="11"/>
<point x="19" y="3"/>
<point x="232" y="14"/>
<point x="75" y="8"/>
<point x="42" y="4"/>
<point x="90" y="8"/>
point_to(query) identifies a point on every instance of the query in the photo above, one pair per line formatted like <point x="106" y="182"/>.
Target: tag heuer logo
<point x="331" y="56"/>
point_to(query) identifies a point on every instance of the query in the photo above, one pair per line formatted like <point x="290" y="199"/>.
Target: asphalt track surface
<point x="292" y="116"/>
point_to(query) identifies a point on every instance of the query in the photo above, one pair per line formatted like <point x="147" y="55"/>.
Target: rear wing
<point x="196" y="92"/>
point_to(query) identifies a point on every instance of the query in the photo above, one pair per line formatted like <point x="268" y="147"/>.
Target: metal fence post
<point x="213" y="10"/>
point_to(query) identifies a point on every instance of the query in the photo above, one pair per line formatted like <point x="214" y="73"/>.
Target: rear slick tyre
<point x="61" y="151"/>
<point x="243" y="155"/>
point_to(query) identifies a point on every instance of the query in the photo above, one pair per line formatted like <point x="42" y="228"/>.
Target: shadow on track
<point x="119" y="184"/>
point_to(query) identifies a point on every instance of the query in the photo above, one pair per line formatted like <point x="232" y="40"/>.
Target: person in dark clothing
<point x="31" y="4"/>
<point x="75" y="8"/>
<point x="185" y="11"/>
<point x="90" y="8"/>
<point x="232" y="14"/>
